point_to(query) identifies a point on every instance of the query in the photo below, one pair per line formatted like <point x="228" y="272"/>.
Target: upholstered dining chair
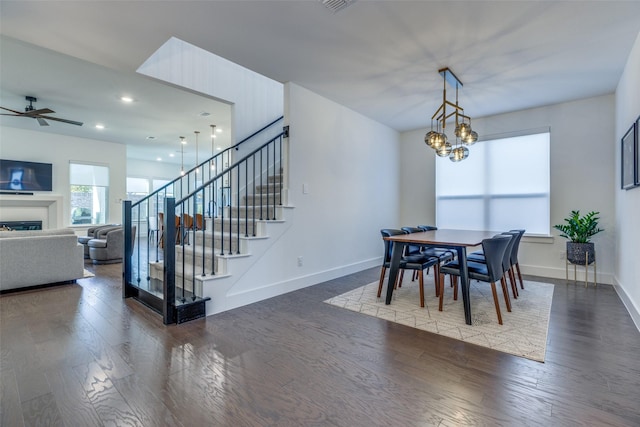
<point x="514" y="256"/>
<point x="417" y="262"/>
<point x="199" y="222"/>
<point x="443" y="255"/>
<point x="507" y="265"/>
<point x="490" y="272"/>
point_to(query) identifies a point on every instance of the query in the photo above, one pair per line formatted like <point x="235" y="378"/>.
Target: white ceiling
<point x="376" y="57"/>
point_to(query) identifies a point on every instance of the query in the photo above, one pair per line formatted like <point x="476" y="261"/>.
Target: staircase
<point x="242" y="204"/>
<point x="220" y="243"/>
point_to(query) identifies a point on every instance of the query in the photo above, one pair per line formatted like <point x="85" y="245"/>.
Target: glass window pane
<point x="465" y="214"/>
<point x="510" y="178"/>
<point x="89" y="193"/>
<point x="462" y="178"/>
<point x="511" y="213"/>
<point x="137" y="185"/>
<point x="508" y="175"/>
<point x="81" y="174"/>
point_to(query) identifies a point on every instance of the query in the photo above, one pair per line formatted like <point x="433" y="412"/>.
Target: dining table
<point x="456" y="240"/>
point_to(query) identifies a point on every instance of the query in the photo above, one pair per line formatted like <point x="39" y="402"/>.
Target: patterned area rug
<point x="523" y="333"/>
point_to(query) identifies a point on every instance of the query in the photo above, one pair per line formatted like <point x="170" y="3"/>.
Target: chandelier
<point x="436" y="138"/>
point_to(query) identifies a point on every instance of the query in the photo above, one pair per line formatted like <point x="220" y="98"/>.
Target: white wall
<point x="349" y="165"/>
<point x="627" y="202"/>
<point x="583" y="176"/>
<point x="152" y="170"/>
<point x="417" y="180"/>
<point x="20" y="144"/>
<point x="256" y="99"/>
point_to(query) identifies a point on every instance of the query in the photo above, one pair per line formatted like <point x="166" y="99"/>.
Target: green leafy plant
<point x="579" y="229"/>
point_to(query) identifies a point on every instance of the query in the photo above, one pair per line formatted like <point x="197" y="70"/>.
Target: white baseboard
<point x="239" y="299"/>
<point x="560" y="273"/>
<point x="634" y="312"/>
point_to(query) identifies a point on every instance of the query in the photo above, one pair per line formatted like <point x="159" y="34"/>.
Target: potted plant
<point x="579" y="229"/>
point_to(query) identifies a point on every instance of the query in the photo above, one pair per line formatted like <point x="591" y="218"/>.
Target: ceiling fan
<point x="31" y="112"/>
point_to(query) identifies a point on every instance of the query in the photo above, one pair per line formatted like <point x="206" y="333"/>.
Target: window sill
<point x="538" y="238"/>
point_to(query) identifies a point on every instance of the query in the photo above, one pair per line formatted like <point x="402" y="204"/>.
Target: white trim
<point x="561" y="273"/>
<point x="634" y="312"/>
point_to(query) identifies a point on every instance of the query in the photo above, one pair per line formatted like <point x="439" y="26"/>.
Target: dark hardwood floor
<point x="79" y="355"/>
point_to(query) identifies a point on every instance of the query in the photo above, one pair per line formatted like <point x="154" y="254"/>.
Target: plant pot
<point x="577" y="253"/>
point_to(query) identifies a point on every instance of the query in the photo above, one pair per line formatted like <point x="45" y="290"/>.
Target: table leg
<point x="396" y="255"/>
<point x="464" y="283"/>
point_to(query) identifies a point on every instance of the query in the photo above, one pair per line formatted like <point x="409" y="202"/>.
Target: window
<point x="137" y="188"/>
<point x="89" y="193"/>
<point x="502" y="185"/>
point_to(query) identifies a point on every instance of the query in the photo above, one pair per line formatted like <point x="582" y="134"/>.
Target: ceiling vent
<point x="336" y="5"/>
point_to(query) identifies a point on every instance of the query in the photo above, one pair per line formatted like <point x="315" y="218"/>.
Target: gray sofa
<point x="32" y="258"/>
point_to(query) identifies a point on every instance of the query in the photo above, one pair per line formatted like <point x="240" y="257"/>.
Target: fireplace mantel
<point x="46" y="208"/>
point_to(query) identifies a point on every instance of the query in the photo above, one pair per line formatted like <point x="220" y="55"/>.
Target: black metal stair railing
<point x="209" y="188"/>
<point x="143" y="266"/>
<point x="256" y="183"/>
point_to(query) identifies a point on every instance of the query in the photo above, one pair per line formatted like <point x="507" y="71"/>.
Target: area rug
<point x="523" y="333"/>
<point x="87" y="274"/>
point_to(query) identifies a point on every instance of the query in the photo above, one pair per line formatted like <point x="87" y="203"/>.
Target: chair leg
<point x="399" y="282"/>
<point x="421" y="284"/>
<point x="436" y="278"/>
<point x="495" y="301"/>
<point x="384" y="270"/>
<point x="519" y="275"/>
<point x="514" y="286"/>
<point x="441" y="280"/>
<point x="512" y="279"/>
<point x="505" y="293"/>
<point x="454" y="283"/>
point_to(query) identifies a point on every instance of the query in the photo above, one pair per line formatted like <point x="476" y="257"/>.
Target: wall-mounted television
<point x="16" y="175"/>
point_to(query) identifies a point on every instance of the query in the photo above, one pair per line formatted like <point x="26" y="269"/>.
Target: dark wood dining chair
<point x="199" y="222"/>
<point x="507" y="264"/>
<point x="417" y="262"/>
<point x="490" y="272"/>
<point x="443" y="255"/>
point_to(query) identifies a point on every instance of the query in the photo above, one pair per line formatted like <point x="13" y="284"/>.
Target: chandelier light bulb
<point x="429" y="138"/>
<point x="458" y="154"/>
<point x="471" y="138"/>
<point x="462" y="130"/>
<point x="444" y="150"/>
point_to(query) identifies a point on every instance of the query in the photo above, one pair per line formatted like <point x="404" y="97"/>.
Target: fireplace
<point x="22" y="225"/>
<point x="46" y="208"/>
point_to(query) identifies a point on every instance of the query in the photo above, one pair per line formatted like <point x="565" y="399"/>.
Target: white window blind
<point x="503" y="184"/>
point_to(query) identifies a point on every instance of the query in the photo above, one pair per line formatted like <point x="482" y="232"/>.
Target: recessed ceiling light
<point x="172" y="155"/>
<point x="159" y="159"/>
<point x="204" y="114"/>
<point x="126" y="99"/>
<point x="99" y="126"/>
<point x="218" y="130"/>
<point x="151" y="137"/>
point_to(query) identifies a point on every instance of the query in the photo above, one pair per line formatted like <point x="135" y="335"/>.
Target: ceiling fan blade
<point x="42" y="121"/>
<point x="71" y="122"/>
<point x="13" y="111"/>
<point x="33" y="113"/>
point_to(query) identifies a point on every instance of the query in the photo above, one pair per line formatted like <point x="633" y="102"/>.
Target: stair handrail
<point x="226" y="171"/>
<point x="226" y="150"/>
